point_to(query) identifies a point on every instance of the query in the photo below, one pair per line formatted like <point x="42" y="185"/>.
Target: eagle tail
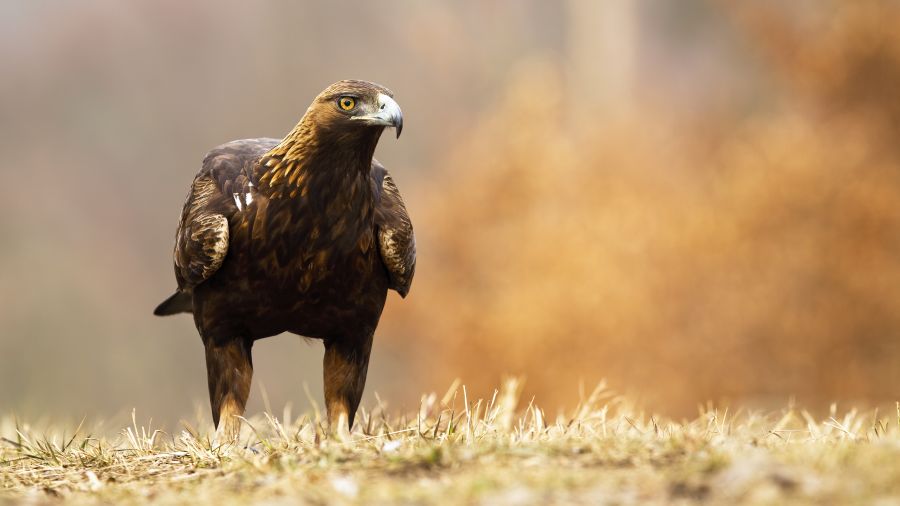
<point x="179" y="302"/>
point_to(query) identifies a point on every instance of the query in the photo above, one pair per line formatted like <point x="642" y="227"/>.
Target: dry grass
<point x="456" y="450"/>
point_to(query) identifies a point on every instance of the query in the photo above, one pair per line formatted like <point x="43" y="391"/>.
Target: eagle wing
<point x="201" y="242"/>
<point x="222" y="189"/>
<point x="396" y="241"/>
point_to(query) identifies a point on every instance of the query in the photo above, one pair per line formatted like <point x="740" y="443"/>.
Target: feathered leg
<point x="229" y="369"/>
<point x="345" y="366"/>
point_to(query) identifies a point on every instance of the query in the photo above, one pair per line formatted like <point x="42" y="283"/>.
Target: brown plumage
<point x="303" y="235"/>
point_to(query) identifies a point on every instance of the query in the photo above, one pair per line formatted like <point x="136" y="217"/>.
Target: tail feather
<point x="179" y="302"/>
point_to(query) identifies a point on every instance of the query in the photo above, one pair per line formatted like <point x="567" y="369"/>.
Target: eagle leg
<point x="345" y="366"/>
<point x="229" y="369"/>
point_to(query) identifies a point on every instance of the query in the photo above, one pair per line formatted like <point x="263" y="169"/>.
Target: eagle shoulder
<point x="221" y="190"/>
<point x="396" y="240"/>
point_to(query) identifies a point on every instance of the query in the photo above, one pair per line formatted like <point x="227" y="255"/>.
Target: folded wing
<point x="396" y="241"/>
<point x="201" y="242"/>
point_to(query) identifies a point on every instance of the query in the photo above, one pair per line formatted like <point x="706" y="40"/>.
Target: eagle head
<point x="356" y="107"/>
<point x="339" y="132"/>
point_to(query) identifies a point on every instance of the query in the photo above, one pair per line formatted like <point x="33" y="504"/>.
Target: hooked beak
<point x="388" y="114"/>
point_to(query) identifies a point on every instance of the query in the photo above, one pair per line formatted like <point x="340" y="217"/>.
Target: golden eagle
<point x="303" y="235"/>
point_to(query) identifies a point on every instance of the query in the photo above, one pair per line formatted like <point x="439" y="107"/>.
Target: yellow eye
<point x="347" y="103"/>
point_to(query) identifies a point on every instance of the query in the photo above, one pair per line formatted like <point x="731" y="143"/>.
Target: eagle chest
<point x="302" y="246"/>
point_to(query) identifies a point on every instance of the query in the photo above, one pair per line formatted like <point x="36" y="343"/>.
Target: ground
<point x="456" y="450"/>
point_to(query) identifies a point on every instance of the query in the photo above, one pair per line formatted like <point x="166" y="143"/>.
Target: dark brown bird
<point x="302" y="235"/>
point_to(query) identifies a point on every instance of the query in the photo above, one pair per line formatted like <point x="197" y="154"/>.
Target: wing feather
<point x="396" y="240"/>
<point x="201" y="242"/>
<point x="222" y="189"/>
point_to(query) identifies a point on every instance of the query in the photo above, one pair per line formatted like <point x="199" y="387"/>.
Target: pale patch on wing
<point x="201" y="191"/>
<point x="391" y="252"/>
<point x="237" y="201"/>
<point x="200" y="248"/>
<point x="212" y="236"/>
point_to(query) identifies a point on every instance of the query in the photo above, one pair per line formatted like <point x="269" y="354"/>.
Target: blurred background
<point x="694" y="200"/>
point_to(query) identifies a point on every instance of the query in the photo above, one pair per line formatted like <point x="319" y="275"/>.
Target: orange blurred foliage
<point x="681" y="259"/>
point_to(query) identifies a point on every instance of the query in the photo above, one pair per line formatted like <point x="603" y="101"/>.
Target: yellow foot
<point x="340" y="427"/>
<point x="228" y="432"/>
